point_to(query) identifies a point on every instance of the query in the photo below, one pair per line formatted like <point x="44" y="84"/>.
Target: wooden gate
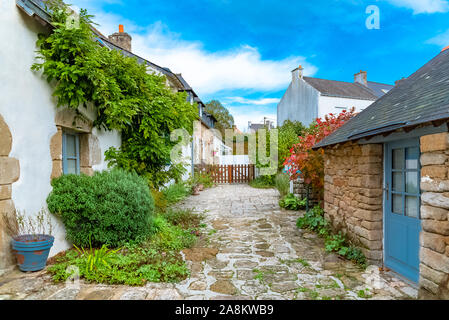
<point x="237" y="173"/>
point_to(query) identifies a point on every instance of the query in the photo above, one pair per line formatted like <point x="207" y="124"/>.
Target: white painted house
<point x="309" y="98"/>
<point x="39" y="141"/>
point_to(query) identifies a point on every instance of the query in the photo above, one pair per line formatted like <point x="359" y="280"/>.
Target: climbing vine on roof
<point x="125" y="95"/>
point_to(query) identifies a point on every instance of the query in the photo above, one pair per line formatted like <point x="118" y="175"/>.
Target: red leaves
<point x="308" y="163"/>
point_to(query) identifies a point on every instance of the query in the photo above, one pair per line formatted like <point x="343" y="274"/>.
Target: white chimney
<point x="362" y="78"/>
<point x="297" y="73"/>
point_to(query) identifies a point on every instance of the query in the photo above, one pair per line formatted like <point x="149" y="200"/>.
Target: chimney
<point x="297" y="73"/>
<point x="121" y="38"/>
<point x="362" y="78"/>
<point x="398" y="82"/>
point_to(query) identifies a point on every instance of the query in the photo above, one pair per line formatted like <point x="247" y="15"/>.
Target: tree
<point x="307" y="163"/>
<point x="225" y="120"/>
<point x="289" y="134"/>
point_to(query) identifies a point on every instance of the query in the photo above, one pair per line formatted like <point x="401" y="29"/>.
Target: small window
<point x="70" y="153"/>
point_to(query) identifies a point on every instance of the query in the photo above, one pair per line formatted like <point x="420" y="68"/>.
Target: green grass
<point x="176" y="192"/>
<point x="262" y="183"/>
<point x="157" y="259"/>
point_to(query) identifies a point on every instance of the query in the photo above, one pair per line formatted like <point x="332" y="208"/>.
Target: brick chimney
<point x="297" y="73"/>
<point x="362" y="78"/>
<point x="121" y="38"/>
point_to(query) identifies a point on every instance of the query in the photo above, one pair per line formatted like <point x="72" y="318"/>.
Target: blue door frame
<point x="402" y="207"/>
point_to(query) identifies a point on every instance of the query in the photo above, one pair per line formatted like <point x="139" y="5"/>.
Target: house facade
<point x="309" y="98"/>
<point x="38" y="141"/>
<point x="387" y="179"/>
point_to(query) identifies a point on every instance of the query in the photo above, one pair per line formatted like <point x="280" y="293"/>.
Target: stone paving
<point x="252" y="250"/>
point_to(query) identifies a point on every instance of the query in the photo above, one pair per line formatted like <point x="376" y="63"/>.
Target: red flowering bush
<point x="307" y="163"/>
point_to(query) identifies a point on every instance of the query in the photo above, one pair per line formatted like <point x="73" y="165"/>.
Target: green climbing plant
<point x="126" y="96"/>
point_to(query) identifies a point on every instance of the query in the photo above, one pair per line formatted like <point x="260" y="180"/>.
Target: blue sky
<point x="241" y="52"/>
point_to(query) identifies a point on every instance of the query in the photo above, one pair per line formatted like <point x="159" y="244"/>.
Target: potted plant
<point x="196" y="190"/>
<point x="31" y="239"/>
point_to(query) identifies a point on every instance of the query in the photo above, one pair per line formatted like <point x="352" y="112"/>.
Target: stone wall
<point x="434" y="237"/>
<point x="300" y="191"/>
<point x="353" y="194"/>
<point x="9" y="173"/>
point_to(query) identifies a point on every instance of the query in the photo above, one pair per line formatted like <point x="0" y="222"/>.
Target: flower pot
<point x="201" y="187"/>
<point x="32" y="251"/>
<point x="196" y="191"/>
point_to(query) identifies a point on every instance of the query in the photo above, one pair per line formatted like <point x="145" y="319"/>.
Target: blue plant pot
<point x="32" y="251"/>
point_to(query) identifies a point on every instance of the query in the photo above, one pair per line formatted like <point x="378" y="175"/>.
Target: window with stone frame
<point x="70" y="152"/>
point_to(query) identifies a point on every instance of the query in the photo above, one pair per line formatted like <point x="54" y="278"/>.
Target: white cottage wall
<point x="29" y="110"/>
<point x="336" y="105"/>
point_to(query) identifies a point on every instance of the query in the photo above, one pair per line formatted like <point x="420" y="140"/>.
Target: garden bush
<point x="111" y="207"/>
<point x="263" y="182"/>
<point x="176" y="192"/>
<point x="282" y="183"/>
<point x="291" y="202"/>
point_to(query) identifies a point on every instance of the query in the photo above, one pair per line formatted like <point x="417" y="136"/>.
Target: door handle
<point x="387" y="190"/>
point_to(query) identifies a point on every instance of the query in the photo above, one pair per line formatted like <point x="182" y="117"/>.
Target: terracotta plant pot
<point x="196" y="190"/>
<point x="32" y="251"/>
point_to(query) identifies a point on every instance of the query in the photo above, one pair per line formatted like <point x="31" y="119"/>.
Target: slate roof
<point x="343" y="89"/>
<point x="422" y="97"/>
<point x="379" y="89"/>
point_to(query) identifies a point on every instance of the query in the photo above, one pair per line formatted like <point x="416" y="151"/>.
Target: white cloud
<point x="441" y="40"/>
<point x="423" y="6"/>
<point x="257" y="102"/>
<point x="209" y="72"/>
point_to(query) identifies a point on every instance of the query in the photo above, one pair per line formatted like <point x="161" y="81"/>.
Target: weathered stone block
<point x="372" y="225"/>
<point x="428" y="285"/>
<point x="438" y="172"/>
<point x="87" y="170"/>
<point x="434" y="185"/>
<point x="433" y="159"/>
<point x="368" y="234"/>
<point x="56" y="145"/>
<point x="439" y="227"/>
<point x="435" y="260"/>
<point x="435" y="199"/>
<point x="372" y="150"/>
<point x="56" y="170"/>
<point x="434" y="213"/>
<point x="5" y="192"/>
<point x="434" y="142"/>
<point x="9" y="170"/>
<point x="5" y="138"/>
<point x="435" y="276"/>
<point x="433" y="241"/>
<point x="368" y="215"/>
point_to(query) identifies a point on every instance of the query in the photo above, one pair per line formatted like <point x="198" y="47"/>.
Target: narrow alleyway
<point x="251" y="249"/>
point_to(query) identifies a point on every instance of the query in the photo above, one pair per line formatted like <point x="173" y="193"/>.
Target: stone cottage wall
<point x="353" y="194"/>
<point x="9" y="173"/>
<point x="434" y="237"/>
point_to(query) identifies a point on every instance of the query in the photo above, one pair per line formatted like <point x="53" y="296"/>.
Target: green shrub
<point x="111" y="207"/>
<point x="315" y="221"/>
<point x="176" y="192"/>
<point x="282" y="183"/>
<point x="291" y="202"/>
<point x="157" y="259"/>
<point x="160" y="203"/>
<point x="263" y="182"/>
<point x="202" y="178"/>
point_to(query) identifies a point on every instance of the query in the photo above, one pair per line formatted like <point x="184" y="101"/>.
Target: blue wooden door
<point x="402" y="208"/>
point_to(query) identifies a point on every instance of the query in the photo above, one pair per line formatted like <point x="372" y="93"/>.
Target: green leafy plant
<point x="111" y="207"/>
<point x="176" y="192"/>
<point x="263" y="182"/>
<point x="96" y="257"/>
<point x="314" y="220"/>
<point x="291" y="202"/>
<point x="282" y="183"/>
<point x="126" y="97"/>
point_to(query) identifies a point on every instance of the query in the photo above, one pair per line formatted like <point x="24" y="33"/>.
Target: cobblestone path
<point x="251" y="250"/>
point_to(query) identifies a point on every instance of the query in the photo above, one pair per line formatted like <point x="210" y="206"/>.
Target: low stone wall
<point x="300" y="190"/>
<point x="353" y="194"/>
<point x="434" y="237"/>
<point x="9" y="173"/>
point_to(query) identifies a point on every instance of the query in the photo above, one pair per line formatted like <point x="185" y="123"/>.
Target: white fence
<point x="231" y="159"/>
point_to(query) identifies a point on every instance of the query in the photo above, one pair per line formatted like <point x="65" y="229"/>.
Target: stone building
<point x="387" y="179"/>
